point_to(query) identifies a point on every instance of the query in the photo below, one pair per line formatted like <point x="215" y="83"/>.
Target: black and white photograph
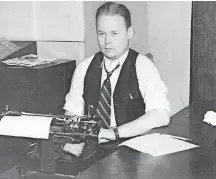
<point x="107" y="89"/>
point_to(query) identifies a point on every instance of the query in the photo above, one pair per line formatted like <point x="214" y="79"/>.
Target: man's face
<point x="112" y="35"/>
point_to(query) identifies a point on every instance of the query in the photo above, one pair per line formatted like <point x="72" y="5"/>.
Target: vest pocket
<point x="131" y="105"/>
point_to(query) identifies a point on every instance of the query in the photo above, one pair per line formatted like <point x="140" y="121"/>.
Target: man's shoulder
<point x="148" y="57"/>
<point x="85" y="62"/>
<point x="144" y="60"/>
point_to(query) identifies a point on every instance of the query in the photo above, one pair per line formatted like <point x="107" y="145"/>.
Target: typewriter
<point x="64" y="129"/>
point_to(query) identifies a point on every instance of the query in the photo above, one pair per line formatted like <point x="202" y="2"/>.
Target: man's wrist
<point x="115" y="129"/>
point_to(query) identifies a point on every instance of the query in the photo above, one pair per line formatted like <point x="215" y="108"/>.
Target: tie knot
<point x="109" y="73"/>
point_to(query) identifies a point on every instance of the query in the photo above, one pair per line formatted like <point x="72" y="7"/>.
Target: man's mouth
<point x="109" y="49"/>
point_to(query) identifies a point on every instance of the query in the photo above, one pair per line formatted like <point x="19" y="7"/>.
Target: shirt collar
<point x="120" y="60"/>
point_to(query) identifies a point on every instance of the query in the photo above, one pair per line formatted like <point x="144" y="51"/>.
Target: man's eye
<point x="114" y="33"/>
<point x="100" y="33"/>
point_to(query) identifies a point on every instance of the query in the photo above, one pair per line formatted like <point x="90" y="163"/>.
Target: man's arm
<point x="150" y="120"/>
<point x="74" y="103"/>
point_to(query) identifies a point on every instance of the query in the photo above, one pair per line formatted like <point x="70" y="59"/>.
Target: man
<point x="136" y="101"/>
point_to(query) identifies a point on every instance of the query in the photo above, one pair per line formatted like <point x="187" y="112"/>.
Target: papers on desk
<point x="210" y="118"/>
<point x="25" y="126"/>
<point x="158" y="144"/>
<point x="30" y="60"/>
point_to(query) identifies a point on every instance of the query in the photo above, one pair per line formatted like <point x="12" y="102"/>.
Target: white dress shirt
<point x="151" y="86"/>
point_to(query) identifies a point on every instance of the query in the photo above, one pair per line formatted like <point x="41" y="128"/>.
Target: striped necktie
<point x="103" y="110"/>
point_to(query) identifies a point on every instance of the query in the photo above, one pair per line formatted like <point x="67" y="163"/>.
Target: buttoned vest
<point x="127" y="98"/>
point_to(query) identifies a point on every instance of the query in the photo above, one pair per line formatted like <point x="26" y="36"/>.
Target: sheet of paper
<point x="210" y="118"/>
<point x="26" y="126"/>
<point x="157" y="144"/>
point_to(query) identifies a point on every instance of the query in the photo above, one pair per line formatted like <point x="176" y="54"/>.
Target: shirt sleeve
<point x="74" y="99"/>
<point x="151" y="86"/>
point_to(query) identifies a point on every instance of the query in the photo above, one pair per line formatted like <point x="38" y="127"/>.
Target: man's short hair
<point x="112" y="8"/>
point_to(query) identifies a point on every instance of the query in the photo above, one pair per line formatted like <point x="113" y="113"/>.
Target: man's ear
<point x="131" y="32"/>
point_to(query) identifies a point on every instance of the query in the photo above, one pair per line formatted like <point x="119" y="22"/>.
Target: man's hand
<point x="105" y="135"/>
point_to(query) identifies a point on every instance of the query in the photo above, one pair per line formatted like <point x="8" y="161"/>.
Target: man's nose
<point x="108" y="39"/>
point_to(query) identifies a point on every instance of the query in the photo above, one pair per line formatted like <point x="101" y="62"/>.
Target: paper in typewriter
<point x="26" y="126"/>
<point x="157" y="144"/>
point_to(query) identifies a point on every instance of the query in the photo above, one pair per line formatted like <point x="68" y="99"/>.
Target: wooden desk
<point x="127" y="163"/>
<point x="195" y="163"/>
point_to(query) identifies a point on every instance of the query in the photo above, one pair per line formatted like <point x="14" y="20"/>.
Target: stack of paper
<point x="158" y="144"/>
<point x="30" y="60"/>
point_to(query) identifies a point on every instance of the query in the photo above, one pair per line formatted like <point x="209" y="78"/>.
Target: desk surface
<point x="195" y="163"/>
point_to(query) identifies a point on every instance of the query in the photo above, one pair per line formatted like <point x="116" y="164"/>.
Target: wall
<point x="138" y="13"/>
<point x="60" y="29"/>
<point x="59" y="20"/>
<point x="169" y="41"/>
<point x="47" y="21"/>
<point x="57" y="26"/>
<point x="16" y="20"/>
